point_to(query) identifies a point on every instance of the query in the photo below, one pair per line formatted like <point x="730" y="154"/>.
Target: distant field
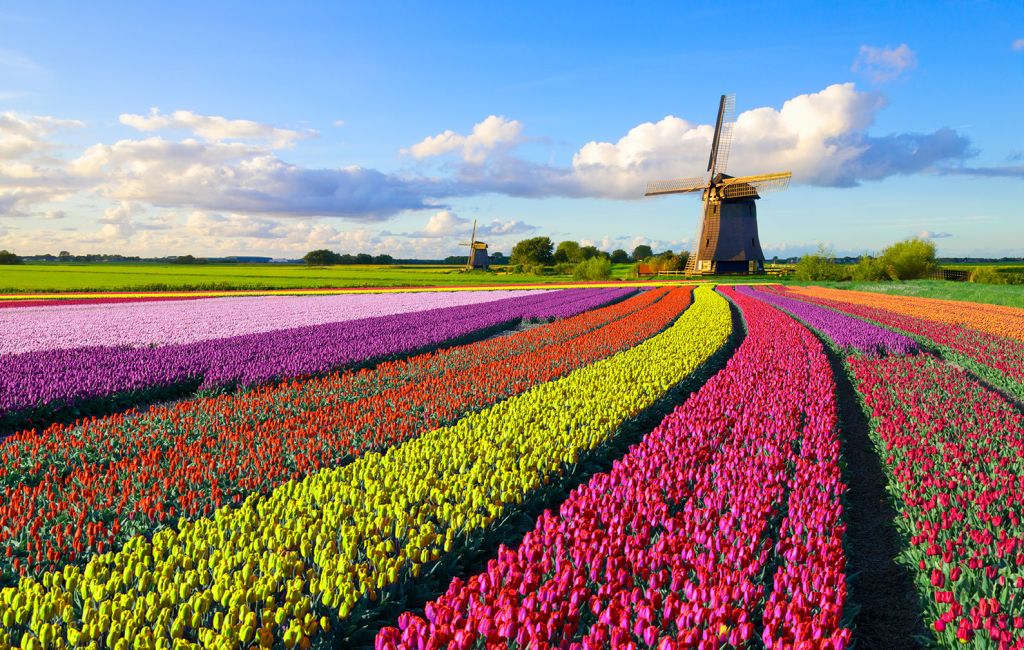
<point x="163" y="277"/>
<point x="1002" y="294"/>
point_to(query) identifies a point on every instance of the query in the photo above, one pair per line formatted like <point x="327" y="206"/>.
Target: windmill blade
<point x="722" y="142"/>
<point x="676" y="186"/>
<point x="735" y="188"/>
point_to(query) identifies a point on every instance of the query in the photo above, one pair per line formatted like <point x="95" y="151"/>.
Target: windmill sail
<point x="722" y="142"/>
<point x="677" y="186"/>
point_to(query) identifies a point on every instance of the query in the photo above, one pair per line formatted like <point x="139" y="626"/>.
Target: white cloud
<point x="1018" y="45"/>
<point x="930" y="234"/>
<point x="884" y="63"/>
<point x="29" y="172"/>
<point x="245" y="178"/>
<point x="215" y="128"/>
<point x="494" y="133"/>
<point x="447" y="224"/>
<point x="444" y="224"/>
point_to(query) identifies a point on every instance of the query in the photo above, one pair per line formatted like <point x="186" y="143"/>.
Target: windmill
<point x="477" y="252"/>
<point x="727" y="240"/>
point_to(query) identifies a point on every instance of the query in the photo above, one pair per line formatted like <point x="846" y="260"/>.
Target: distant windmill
<point x="727" y="240"/>
<point x="477" y="252"/>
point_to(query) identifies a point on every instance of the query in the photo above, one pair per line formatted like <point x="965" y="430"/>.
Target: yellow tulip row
<point x="270" y="571"/>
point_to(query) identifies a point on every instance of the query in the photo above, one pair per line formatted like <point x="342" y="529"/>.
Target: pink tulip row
<point x="954" y="448"/>
<point x="672" y="547"/>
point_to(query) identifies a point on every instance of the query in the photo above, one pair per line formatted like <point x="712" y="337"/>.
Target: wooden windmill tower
<point x="477" y="252"/>
<point x="727" y="240"/>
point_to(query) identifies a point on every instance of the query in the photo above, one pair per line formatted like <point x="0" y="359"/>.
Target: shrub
<point x="909" y="259"/>
<point x="595" y="268"/>
<point x="820" y="266"/>
<point x="565" y="268"/>
<point x="869" y="269"/>
<point x="987" y="275"/>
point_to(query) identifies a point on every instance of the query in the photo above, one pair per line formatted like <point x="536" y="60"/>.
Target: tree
<point x="619" y="256"/>
<point x="819" y="266"/>
<point x="536" y="250"/>
<point x="64" y="256"/>
<point x="595" y="268"/>
<point x="568" y="251"/>
<point x="498" y="257"/>
<point x="7" y="257"/>
<point x="383" y="259"/>
<point x="589" y="251"/>
<point x="364" y="258"/>
<point x="187" y="259"/>
<point x="321" y="257"/>
<point x="642" y="252"/>
<point x="909" y="259"/>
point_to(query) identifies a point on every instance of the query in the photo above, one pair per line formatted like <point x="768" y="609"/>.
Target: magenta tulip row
<point x="954" y="448"/>
<point x="671" y="548"/>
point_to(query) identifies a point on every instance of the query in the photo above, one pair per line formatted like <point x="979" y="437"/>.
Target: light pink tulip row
<point x="675" y="546"/>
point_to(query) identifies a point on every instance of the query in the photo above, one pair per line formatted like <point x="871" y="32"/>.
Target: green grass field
<point x="996" y="294"/>
<point x="169" y="277"/>
<point x="48" y="278"/>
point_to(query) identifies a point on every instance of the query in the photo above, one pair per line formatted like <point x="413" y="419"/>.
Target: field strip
<point x="41" y="387"/>
<point x="670" y="547"/>
<point x="359" y="290"/>
<point x="997" y="359"/>
<point x="318" y="545"/>
<point x="992" y="319"/>
<point x="190" y="459"/>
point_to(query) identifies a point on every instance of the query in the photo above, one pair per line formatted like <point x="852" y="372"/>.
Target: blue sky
<point x="245" y="128"/>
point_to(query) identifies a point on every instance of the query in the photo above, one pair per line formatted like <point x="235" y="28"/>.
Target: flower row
<point x="846" y="332"/>
<point x="997" y="358"/>
<point x="671" y="547"/>
<point x="953" y="449"/>
<point x="41" y="386"/>
<point x="288" y="565"/>
<point x="169" y="322"/>
<point x="189" y="459"/>
<point x="999" y="320"/>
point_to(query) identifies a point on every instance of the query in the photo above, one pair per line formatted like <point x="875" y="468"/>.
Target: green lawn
<point x="996" y="294"/>
<point x="169" y="277"/>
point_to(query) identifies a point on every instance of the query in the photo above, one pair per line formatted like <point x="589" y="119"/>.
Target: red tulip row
<point x="997" y="358"/>
<point x="955" y="453"/>
<point x="674" y="546"/>
<point x="125" y="476"/>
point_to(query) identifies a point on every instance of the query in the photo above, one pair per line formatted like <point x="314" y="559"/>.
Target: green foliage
<point x="7" y="257"/>
<point x="321" y="257"/>
<point x="188" y="259"/>
<point x="987" y="275"/>
<point x="595" y="268"/>
<point x="568" y="252"/>
<point x="589" y="252"/>
<point x="533" y="251"/>
<point x="619" y="256"/>
<point x="564" y="268"/>
<point x="642" y="252"/>
<point x="869" y="269"/>
<point x="910" y="259"/>
<point x="820" y="266"/>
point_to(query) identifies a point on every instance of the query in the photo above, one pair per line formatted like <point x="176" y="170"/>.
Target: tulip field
<point x="592" y="467"/>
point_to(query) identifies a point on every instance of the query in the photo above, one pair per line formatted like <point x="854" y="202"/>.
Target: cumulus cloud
<point x="821" y="137"/>
<point x="929" y="234"/>
<point x="494" y="133"/>
<point x="215" y="128"/>
<point x="1018" y="45"/>
<point x="447" y="224"/>
<point x="245" y="178"/>
<point x="29" y="172"/>
<point x="881" y="64"/>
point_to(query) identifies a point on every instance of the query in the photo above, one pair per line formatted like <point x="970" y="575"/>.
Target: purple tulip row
<point x="846" y="332"/>
<point x="674" y="547"/>
<point x="174" y="322"/>
<point x="56" y="379"/>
